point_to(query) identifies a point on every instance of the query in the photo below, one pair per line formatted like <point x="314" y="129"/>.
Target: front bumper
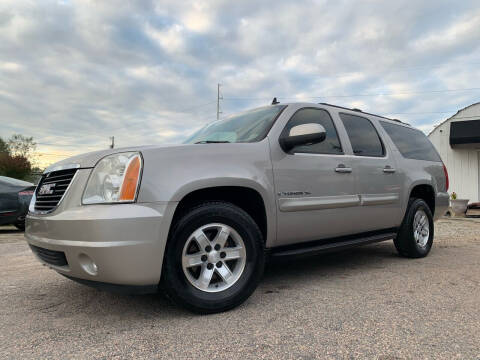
<point x="116" y="244"/>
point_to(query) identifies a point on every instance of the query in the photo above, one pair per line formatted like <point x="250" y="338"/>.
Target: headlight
<point x="114" y="179"/>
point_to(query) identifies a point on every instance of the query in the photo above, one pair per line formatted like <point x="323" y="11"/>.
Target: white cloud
<point x="171" y="40"/>
<point x="461" y="30"/>
<point x="198" y="18"/>
<point x="10" y="66"/>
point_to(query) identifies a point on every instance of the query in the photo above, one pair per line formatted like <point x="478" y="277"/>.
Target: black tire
<point x="20" y="225"/>
<point x="174" y="280"/>
<point x="405" y="241"/>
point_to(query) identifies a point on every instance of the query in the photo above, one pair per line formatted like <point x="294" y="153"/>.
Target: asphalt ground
<point x="365" y="303"/>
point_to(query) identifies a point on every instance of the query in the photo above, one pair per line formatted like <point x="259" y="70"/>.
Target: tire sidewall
<point x="243" y="287"/>
<point x="419" y="251"/>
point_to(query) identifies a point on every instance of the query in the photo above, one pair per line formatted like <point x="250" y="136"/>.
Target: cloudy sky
<point x="74" y="73"/>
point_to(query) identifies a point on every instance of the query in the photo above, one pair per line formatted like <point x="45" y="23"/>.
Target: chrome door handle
<point x="388" y="169"/>
<point x="343" y="169"/>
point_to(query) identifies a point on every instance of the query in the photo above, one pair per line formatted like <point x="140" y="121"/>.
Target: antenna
<point x="219" y="97"/>
<point x="275" y="101"/>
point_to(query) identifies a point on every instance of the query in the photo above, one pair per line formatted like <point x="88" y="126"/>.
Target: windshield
<point x="249" y="126"/>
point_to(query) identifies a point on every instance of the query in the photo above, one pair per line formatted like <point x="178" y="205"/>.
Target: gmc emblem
<point x="46" y="189"/>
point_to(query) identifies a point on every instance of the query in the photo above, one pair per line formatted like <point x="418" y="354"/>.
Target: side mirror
<point x="304" y="134"/>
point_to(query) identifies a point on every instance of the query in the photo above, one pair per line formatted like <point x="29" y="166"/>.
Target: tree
<point x="16" y="166"/>
<point x="20" y="145"/>
<point x="16" y="156"/>
<point x="3" y="147"/>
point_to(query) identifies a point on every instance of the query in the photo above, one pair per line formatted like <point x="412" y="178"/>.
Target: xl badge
<point x="46" y="189"/>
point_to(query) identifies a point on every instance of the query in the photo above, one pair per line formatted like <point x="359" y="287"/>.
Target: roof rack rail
<point x="358" y="110"/>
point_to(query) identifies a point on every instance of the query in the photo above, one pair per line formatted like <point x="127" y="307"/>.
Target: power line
<point x="54" y="154"/>
<point x="142" y="122"/>
<point x="220" y="97"/>
<point x="391" y="70"/>
<point x="66" y="145"/>
<point x="129" y="125"/>
<point x="424" y="112"/>
<point x="357" y="95"/>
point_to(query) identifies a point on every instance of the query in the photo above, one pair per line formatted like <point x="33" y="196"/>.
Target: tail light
<point x="447" y="183"/>
<point x="26" y="193"/>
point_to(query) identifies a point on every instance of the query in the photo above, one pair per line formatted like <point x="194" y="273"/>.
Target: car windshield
<point x="249" y="126"/>
<point x="15" y="182"/>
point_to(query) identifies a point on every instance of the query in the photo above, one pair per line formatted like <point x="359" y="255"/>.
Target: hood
<point x="89" y="160"/>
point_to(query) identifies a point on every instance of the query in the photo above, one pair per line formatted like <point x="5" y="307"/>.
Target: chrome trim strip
<point x="61" y="167"/>
<point x="8" y="211"/>
<point x="378" y="199"/>
<point x="318" y="203"/>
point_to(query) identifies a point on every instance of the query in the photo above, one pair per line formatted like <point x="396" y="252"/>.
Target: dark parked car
<point x="15" y="196"/>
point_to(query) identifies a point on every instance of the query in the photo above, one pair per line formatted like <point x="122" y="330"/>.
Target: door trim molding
<point x="378" y="199"/>
<point x="333" y="202"/>
<point x="318" y="203"/>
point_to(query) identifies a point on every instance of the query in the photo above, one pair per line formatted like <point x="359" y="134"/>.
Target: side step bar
<point x="316" y="248"/>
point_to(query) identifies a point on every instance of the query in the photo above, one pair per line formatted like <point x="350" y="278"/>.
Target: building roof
<point x="451" y="117"/>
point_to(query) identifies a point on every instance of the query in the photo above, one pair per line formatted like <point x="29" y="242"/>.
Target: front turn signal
<point x="131" y="179"/>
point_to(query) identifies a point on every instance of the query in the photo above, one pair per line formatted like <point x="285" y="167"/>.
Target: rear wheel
<point x="214" y="258"/>
<point x="415" y="237"/>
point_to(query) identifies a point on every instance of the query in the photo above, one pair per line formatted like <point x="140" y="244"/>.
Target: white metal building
<point x="457" y="139"/>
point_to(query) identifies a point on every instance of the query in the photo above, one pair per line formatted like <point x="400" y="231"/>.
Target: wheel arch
<point x="426" y="192"/>
<point x="248" y="197"/>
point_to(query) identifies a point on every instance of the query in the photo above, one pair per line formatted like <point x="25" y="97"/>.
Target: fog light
<point x="87" y="264"/>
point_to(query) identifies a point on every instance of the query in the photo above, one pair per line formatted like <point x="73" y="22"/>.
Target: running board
<point x="316" y="248"/>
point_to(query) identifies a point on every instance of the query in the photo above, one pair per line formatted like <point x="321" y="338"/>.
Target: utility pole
<point x="112" y="144"/>
<point x="219" y="97"/>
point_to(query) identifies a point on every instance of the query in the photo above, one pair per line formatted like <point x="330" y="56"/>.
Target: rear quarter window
<point x="412" y="143"/>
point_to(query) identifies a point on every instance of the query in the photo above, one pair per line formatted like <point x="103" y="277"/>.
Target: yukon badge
<point x="294" y="193"/>
<point x="46" y="189"/>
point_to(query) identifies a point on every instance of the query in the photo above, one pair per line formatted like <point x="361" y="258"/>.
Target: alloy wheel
<point x="214" y="257"/>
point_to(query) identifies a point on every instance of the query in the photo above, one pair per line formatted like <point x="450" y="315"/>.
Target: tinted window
<point x="412" y="143"/>
<point x="363" y="136"/>
<point x="331" y="144"/>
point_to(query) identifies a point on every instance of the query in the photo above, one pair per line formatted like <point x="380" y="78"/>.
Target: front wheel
<point x="214" y="258"/>
<point x="415" y="237"/>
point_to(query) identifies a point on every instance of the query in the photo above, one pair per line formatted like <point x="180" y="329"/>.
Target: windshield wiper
<point x="211" y="142"/>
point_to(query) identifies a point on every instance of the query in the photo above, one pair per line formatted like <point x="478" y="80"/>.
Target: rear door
<point x="376" y="180"/>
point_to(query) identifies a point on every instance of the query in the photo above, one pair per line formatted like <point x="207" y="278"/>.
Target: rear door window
<point x="412" y="143"/>
<point x="363" y="136"/>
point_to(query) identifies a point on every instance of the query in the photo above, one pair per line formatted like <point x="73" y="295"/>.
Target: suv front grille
<point x="51" y="257"/>
<point x="51" y="189"/>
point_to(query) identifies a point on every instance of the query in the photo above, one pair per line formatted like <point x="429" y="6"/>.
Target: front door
<point x="314" y="185"/>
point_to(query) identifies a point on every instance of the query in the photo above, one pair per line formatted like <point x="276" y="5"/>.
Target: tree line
<point x="17" y="157"/>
